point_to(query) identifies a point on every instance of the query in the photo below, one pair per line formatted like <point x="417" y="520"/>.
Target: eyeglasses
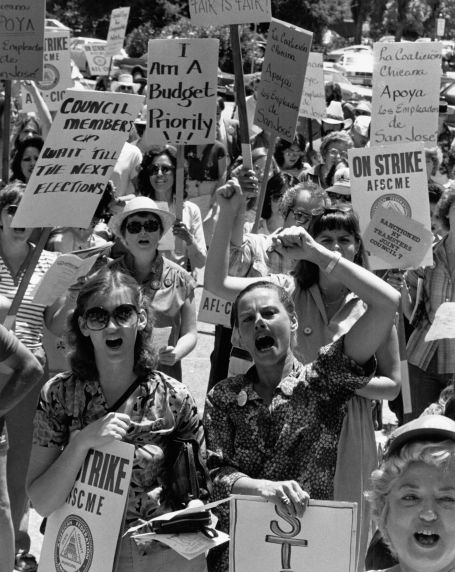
<point x="305" y="216"/>
<point x="98" y="318"/>
<point x="135" y="226"/>
<point x="164" y="169"/>
<point x="11" y="209"/>
<point x="125" y="89"/>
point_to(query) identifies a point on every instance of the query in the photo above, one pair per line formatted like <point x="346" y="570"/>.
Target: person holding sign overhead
<point x="113" y="391"/>
<point x="140" y="226"/>
<point x="274" y="431"/>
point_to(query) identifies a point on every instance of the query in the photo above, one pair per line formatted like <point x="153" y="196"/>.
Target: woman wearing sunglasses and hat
<point x="140" y="226"/>
<point x="413" y="495"/>
<point x="114" y="392"/>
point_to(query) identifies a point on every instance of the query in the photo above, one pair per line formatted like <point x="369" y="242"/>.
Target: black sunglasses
<point x="164" y="169"/>
<point x="135" y="226"/>
<point x="98" y="318"/>
<point x="11" y="209"/>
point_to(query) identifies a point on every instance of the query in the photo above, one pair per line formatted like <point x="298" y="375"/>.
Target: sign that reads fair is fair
<point x="57" y="71"/>
<point x="82" y="535"/>
<point x="22" y="37"/>
<point x="77" y="159"/>
<point x="117" y="29"/>
<point x="226" y="12"/>
<point x="392" y="177"/>
<point x="283" y="74"/>
<point x="263" y="537"/>
<point x="181" y="91"/>
<point x="405" y="106"/>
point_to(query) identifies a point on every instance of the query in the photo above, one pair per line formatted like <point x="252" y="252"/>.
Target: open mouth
<point x="264" y="343"/>
<point x="114" y="344"/>
<point x="426" y="538"/>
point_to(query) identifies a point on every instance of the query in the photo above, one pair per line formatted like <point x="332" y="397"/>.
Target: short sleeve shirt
<point x="163" y="411"/>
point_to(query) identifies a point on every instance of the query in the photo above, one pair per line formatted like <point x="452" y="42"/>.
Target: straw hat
<point x="141" y="204"/>
<point x="335" y="116"/>
<point x="426" y="428"/>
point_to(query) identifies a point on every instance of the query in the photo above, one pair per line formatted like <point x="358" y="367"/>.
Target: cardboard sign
<point x="397" y="239"/>
<point x="226" y="12"/>
<point x="182" y="91"/>
<point x="117" y="29"/>
<point x="214" y="310"/>
<point x="313" y="96"/>
<point x="405" y="106"/>
<point x="82" y="535"/>
<point x="283" y="73"/>
<point x="97" y="61"/>
<point x="57" y="71"/>
<point x="77" y="159"/>
<point x="443" y="325"/>
<point x="22" y="38"/>
<point x="393" y="177"/>
<point x="267" y="539"/>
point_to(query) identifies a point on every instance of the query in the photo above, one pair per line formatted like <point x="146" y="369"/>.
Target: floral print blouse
<point x="164" y="411"/>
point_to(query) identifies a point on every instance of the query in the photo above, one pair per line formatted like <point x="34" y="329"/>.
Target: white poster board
<point x="313" y="97"/>
<point x="82" y="535"/>
<point x="283" y="73"/>
<point x="226" y="12"/>
<point x="405" y="105"/>
<point x="97" y="61"/>
<point x="266" y="539"/>
<point x="22" y="37"/>
<point x="57" y="71"/>
<point x="77" y="159"/>
<point x="214" y="310"/>
<point x="392" y="177"/>
<point x="117" y="29"/>
<point x="181" y="91"/>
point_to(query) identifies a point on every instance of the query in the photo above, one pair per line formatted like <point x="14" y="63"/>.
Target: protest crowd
<point x="325" y="232"/>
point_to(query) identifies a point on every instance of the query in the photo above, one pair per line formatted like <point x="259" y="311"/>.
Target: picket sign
<point x="280" y="90"/>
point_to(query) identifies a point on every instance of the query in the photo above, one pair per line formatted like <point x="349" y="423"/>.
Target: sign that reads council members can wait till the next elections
<point x="77" y="159"/>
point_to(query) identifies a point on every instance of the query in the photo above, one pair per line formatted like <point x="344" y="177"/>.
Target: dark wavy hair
<point x="337" y="217"/>
<point x="276" y="186"/>
<point x="144" y="187"/>
<point x="283" y="296"/>
<point x="16" y="168"/>
<point x="282" y="145"/>
<point x="82" y="355"/>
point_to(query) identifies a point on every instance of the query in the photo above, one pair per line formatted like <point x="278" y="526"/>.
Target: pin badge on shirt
<point x="242" y="398"/>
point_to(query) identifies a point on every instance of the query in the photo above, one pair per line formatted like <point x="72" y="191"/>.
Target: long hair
<point x="282" y="145"/>
<point x="276" y="186"/>
<point x="334" y="218"/>
<point x="16" y="168"/>
<point x="82" y="355"/>
<point x="144" y="186"/>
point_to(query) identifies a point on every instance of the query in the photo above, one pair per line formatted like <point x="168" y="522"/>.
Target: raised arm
<point x="371" y="330"/>
<point x="217" y="279"/>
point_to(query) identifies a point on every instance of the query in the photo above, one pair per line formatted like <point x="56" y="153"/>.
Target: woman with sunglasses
<point x="140" y="226"/>
<point x="15" y="252"/>
<point x="326" y="309"/>
<point x="110" y="333"/>
<point x="157" y="180"/>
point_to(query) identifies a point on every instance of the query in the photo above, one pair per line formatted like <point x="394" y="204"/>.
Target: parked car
<point x="349" y="92"/>
<point x="77" y="51"/>
<point x="447" y="93"/>
<point x="386" y="39"/>
<point x="55" y="24"/>
<point x="448" y="53"/>
<point x="358" y="68"/>
<point x="335" y="55"/>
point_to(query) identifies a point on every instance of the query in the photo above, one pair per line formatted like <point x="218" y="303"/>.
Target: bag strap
<point x="192" y="470"/>
<point x="124" y="395"/>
